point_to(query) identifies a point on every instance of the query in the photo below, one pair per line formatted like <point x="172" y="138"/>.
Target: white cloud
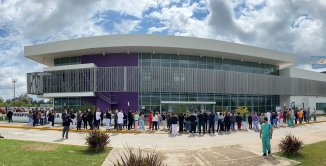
<point x="126" y="26"/>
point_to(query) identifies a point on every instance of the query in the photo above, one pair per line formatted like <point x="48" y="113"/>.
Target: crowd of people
<point x="201" y="122"/>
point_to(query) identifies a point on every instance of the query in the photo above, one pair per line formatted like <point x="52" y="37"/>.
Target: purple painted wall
<point x="122" y="101"/>
<point x="124" y="97"/>
<point x="111" y="60"/>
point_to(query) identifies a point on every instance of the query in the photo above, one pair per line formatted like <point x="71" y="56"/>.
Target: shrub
<point x="133" y="157"/>
<point x="242" y="110"/>
<point x="290" y="145"/>
<point x="97" y="141"/>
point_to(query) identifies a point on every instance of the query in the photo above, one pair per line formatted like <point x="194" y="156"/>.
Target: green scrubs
<point x="266" y="128"/>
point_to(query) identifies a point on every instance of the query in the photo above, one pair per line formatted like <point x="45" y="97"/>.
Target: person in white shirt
<point x="155" y="120"/>
<point x="98" y="118"/>
<point x="268" y="116"/>
<point x="120" y="120"/>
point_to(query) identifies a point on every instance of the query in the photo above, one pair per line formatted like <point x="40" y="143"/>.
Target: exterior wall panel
<point x="166" y="79"/>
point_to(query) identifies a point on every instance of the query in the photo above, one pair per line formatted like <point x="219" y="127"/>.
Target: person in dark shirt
<point x="66" y="126"/>
<point x="238" y="118"/>
<point x="205" y="121"/>
<point x="181" y="119"/>
<point x="125" y="120"/>
<point x="9" y="116"/>
<point x="130" y="120"/>
<point x="192" y="120"/>
<point x="250" y="121"/>
<point x="200" y="118"/>
<point x="90" y="118"/>
<point x="211" y="119"/>
<point x="227" y="121"/>
<point x="84" y="117"/>
<point x="174" y="123"/>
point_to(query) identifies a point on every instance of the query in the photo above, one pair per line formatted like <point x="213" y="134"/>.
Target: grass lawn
<point x="14" y="152"/>
<point x="311" y="155"/>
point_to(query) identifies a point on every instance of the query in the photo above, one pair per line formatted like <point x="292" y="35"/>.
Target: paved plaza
<point x="189" y="149"/>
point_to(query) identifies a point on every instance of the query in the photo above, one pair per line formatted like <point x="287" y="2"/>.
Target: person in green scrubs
<point x="266" y="133"/>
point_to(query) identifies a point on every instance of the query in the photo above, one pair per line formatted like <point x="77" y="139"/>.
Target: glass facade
<point x="320" y="106"/>
<point x="151" y="101"/>
<point x="212" y="63"/>
<point x="62" y="103"/>
<point x="255" y="103"/>
<point x="67" y="61"/>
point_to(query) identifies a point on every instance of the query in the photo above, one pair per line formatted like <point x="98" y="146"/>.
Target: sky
<point x="293" y="26"/>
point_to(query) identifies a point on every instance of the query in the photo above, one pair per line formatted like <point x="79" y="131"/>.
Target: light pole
<point x="14" y="80"/>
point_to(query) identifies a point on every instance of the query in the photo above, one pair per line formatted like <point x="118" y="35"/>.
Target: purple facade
<point x="114" y="60"/>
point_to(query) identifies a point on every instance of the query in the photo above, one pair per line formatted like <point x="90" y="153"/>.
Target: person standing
<point x="250" y="121"/>
<point x="164" y="120"/>
<point x="150" y="120"/>
<point x="227" y="122"/>
<point x="125" y="120"/>
<point x="300" y="116"/>
<point x="181" y="120"/>
<point x="102" y="117"/>
<point x="115" y="119"/>
<point x="154" y="120"/>
<point x="244" y="121"/>
<point x="268" y="116"/>
<point x="200" y="118"/>
<point x="211" y="118"/>
<point x="90" y="118"/>
<point x="308" y="115"/>
<point x="174" y="123"/>
<point x="130" y="120"/>
<point x="266" y="133"/>
<point x="220" y="123"/>
<point x="136" y="118"/>
<point x="79" y="120"/>
<point x="285" y="112"/>
<point x="280" y="117"/>
<point x="84" y="117"/>
<point x="30" y="118"/>
<point x="274" y="119"/>
<point x="120" y="119"/>
<point x="34" y="118"/>
<point x="168" y="122"/>
<point x="288" y="118"/>
<point x="159" y="118"/>
<point x="232" y="118"/>
<point x="9" y="116"/>
<point x="52" y="118"/>
<point x="314" y="114"/>
<point x="304" y="113"/>
<point x="98" y="119"/>
<point x="64" y="115"/>
<point x="41" y="116"/>
<point x="141" y="121"/>
<point x="107" y="119"/>
<point x="66" y="126"/>
<point x="205" y="121"/>
<point x="187" y="122"/>
<point x="255" y="119"/>
<point x="238" y="118"/>
<point x="192" y="120"/>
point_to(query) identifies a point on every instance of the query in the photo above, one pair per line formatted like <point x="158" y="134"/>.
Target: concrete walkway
<point x="188" y="149"/>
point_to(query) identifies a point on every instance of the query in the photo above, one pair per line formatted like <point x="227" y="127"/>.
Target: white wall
<point x="309" y="101"/>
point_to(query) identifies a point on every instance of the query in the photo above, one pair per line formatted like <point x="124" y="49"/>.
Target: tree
<point x="1" y="100"/>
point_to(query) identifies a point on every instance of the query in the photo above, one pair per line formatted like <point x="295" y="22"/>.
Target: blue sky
<point x="297" y="27"/>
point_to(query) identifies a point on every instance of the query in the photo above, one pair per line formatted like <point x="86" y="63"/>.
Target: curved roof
<point x="45" y="53"/>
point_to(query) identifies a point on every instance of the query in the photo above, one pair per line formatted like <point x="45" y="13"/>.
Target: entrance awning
<point x="188" y="102"/>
